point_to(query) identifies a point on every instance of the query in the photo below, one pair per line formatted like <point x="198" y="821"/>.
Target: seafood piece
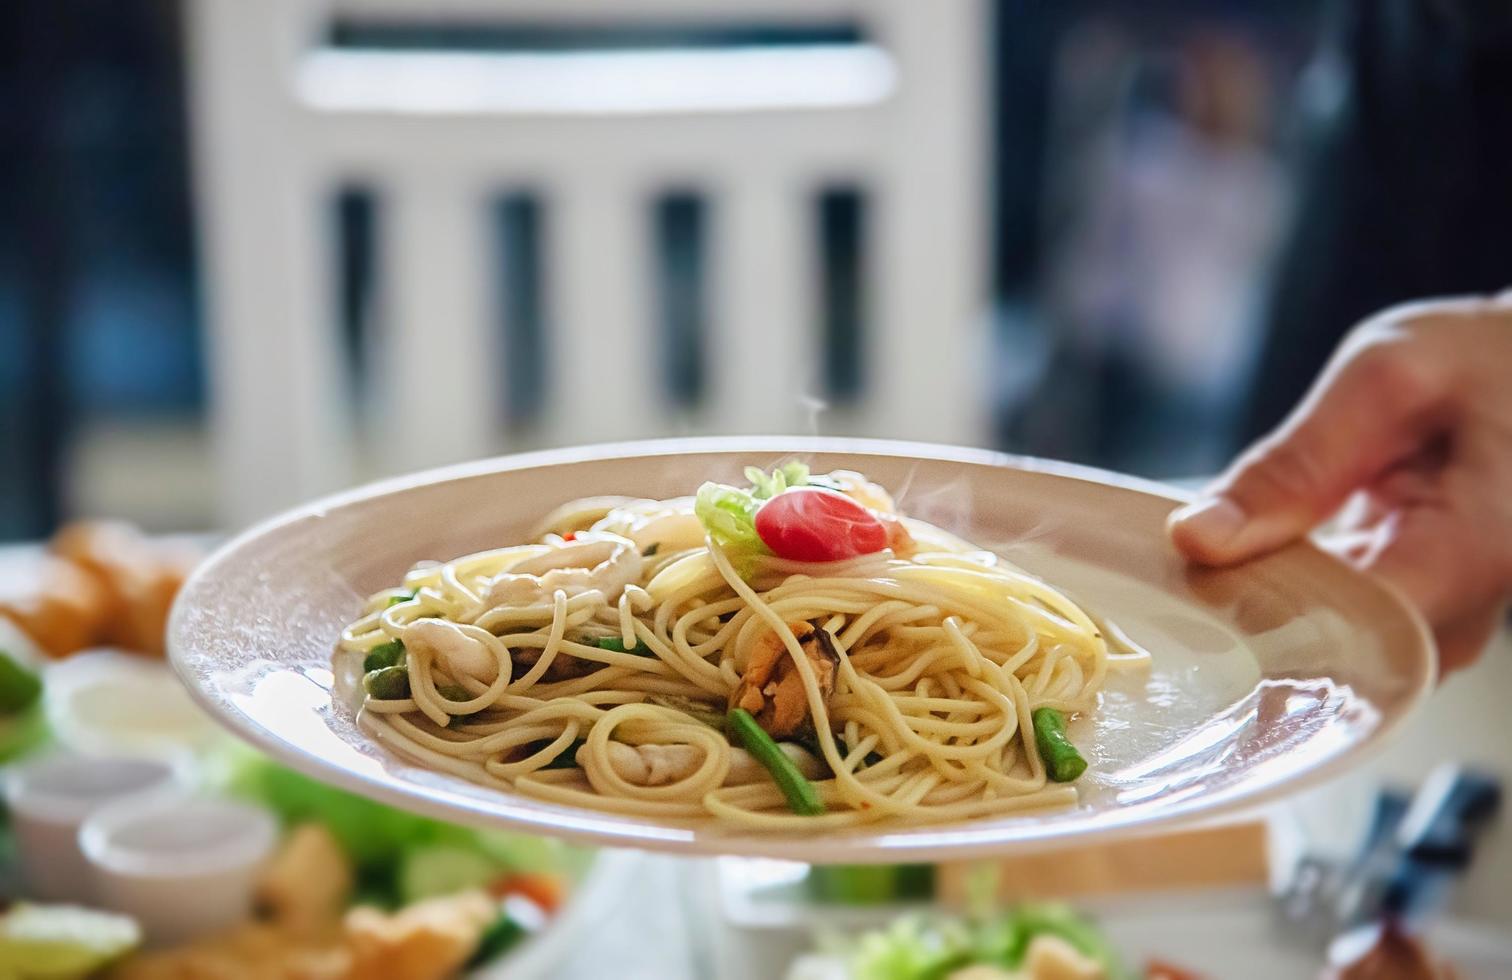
<point x="771" y="688"/>
<point x="591" y="561"/>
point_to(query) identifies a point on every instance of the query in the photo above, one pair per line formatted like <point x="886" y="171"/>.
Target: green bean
<point x="1062" y="762"/>
<point x="456" y="692"/>
<point x="388" y="684"/>
<point x="567" y="759"/>
<point x="504" y="934"/>
<point x="616" y="644"/>
<point x="801" y="796"/>
<point x="383" y="655"/>
<point x="811" y="744"/>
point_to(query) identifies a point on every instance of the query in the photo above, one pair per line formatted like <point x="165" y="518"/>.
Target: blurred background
<point x="252" y="251"/>
<point x="255" y="252"/>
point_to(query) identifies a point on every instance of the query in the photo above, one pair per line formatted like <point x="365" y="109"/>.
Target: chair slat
<point x="441" y="371"/>
<point x="271" y="143"/>
<point x="763" y="358"/>
<point x="602" y="352"/>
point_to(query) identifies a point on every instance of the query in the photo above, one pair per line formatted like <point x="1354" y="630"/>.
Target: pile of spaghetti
<point x="791" y="654"/>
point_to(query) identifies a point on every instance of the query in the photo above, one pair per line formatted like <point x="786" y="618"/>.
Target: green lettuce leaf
<point x="911" y="949"/>
<point x="765" y="486"/>
<point x="916" y="949"/>
<point x="20" y="687"/>
<point x="382" y="841"/>
<point x="729" y="515"/>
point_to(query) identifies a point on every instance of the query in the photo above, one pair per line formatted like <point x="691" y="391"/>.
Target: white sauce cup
<point x="51" y="797"/>
<point x="113" y="703"/>
<point x="182" y="868"/>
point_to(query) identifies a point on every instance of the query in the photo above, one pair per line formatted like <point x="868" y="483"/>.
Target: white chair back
<point x="281" y="120"/>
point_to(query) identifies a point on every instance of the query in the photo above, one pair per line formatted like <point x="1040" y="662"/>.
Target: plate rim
<point x="918" y="843"/>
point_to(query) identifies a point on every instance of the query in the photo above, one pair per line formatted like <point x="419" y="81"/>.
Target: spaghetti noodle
<point x="898" y="669"/>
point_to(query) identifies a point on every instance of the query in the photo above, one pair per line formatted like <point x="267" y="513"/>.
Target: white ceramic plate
<point x="1266" y="677"/>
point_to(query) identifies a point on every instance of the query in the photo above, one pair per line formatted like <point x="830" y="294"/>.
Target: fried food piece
<point x="255" y="951"/>
<point x="898" y="538"/>
<point x="1049" y="957"/>
<point x="65" y="610"/>
<point x="306" y="938"/>
<point x="307" y="885"/>
<point x="146" y="600"/>
<point x="430" y="940"/>
<point x="141" y="576"/>
<point x="771" y="688"/>
<point x="1395" y="955"/>
<point x="100" y="545"/>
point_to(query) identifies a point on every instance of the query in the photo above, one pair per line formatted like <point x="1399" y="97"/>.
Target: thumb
<point x="1364" y="415"/>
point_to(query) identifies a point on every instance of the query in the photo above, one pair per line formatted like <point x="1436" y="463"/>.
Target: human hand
<point x="1409" y="431"/>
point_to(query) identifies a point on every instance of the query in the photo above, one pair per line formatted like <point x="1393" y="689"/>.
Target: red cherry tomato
<point x="817" y="525"/>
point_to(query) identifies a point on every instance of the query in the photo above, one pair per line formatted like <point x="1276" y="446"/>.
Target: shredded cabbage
<point x="765" y="486"/>
<point x="729" y="515"/>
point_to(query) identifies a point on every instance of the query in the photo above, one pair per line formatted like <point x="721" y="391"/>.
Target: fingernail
<point x="1214" y="520"/>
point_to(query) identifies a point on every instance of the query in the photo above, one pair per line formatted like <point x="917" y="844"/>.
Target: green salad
<point x="399" y="857"/>
<point x="61" y="942"/>
<point x="22" y="726"/>
<point x="1029" y="942"/>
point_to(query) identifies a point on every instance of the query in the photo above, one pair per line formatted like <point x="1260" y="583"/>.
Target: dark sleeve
<point x="1405" y="180"/>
